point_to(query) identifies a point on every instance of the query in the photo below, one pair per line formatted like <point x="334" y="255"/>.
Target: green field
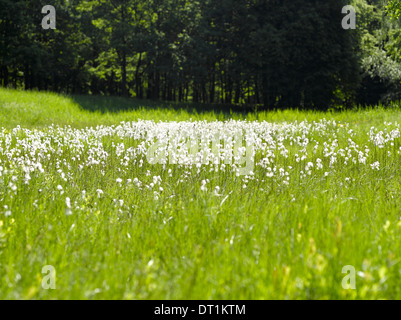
<point x="78" y="194"/>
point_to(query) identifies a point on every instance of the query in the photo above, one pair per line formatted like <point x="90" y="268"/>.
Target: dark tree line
<point x="276" y="53"/>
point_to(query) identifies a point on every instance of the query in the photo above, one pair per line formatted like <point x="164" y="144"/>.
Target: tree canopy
<point x="273" y="53"/>
<point x="394" y="8"/>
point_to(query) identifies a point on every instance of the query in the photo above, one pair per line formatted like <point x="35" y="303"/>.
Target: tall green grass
<point x="276" y="243"/>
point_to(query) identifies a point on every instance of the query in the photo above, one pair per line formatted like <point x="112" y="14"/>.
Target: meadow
<point x="78" y="192"/>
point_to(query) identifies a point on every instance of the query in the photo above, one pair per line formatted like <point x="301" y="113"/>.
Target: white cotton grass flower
<point x="157" y="180"/>
<point x="319" y="164"/>
<point x="60" y="188"/>
<point x="137" y="182"/>
<point x="27" y="178"/>
<point x="12" y="186"/>
<point x="375" y="166"/>
<point x="203" y="185"/>
<point x="68" y="210"/>
<point x="288" y="151"/>
<point x="216" y="191"/>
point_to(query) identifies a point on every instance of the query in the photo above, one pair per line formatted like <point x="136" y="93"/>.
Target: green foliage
<point x="380" y="57"/>
<point x="231" y="51"/>
<point x="274" y="54"/>
<point x="394" y="8"/>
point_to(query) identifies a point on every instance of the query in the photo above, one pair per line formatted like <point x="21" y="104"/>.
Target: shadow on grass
<point x="112" y="104"/>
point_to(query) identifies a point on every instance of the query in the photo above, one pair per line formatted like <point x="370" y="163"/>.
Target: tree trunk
<point x="124" y="74"/>
<point x="138" y="82"/>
